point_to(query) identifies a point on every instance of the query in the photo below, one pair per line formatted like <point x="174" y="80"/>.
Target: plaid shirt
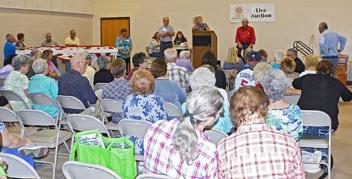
<point x="118" y="89"/>
<point x="178" y="74"/>
<point x="162" y="158"/>
<point x="258" y="151"/>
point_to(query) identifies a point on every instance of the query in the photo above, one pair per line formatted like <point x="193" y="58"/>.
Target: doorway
<point x="110" y="28"/>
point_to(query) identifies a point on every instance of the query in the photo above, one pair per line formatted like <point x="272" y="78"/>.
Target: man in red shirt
<point x="245" y="37"/>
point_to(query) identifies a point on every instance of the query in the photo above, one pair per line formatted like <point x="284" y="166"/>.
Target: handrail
<point x="302" y="48"/>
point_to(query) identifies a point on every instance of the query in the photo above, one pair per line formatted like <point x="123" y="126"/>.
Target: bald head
<point x="323" y="26"/>
<point x="79" y="64"/>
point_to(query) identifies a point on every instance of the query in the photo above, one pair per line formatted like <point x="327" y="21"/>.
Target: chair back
<point x="215" y="135"/>
<point x="18" y="168"/>
<point x="70" y="102"/>
<point x="74" y="169"/>
<point x="152" y="176"/>
<point x="79" y="122"/>
<point x="99" y="86"/>
<point x="112" y="105"/>
<point x="41" y="99"/>
<point x="133" y="127"/>
<point x="293" y="99"/>
<point x="6" y="115"/>
<point x="12" y="96"/>
<point x="36" y="118"/>
<point x="172" y="110"/>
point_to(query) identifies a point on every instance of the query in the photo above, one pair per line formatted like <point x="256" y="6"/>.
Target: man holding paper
<point x="166" y="32"/>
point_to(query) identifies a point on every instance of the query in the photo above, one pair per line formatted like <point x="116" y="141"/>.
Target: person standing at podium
<point x="245" y="37"/>
<point x="199" y="25"/>
<point x="166" y="32"/>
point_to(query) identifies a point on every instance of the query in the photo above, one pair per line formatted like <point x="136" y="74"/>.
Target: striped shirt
<point x="258" y="151"/>
<point x="178" y="74"/>
<point x="161" y="157"/>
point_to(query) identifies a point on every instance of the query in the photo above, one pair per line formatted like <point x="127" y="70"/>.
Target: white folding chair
<point x="135" y="128"/>
<point x="99" y="86"/>
<point x="43" y="99"/>
<point x="215" y="135"/>
<point x="12" y="96"/>
<point x="76" y="170"/>
<point x="79" y="122"/>
<point x="172" y="110"/>
<point x="70" y="102"/>
<point x="292" y="99"/>
<point x="227" y="75"/>
<point x="152" y="176"/>
<point x="111" y="106"/>
<point x="51" y="138"/>
<point x="312" y="118"/>
<point x="17" y="167"/>
<point x="6" y="115"/>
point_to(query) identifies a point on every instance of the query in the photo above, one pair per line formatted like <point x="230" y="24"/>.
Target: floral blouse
<point x="143" y="107"/>
<point x="287" y="120"/>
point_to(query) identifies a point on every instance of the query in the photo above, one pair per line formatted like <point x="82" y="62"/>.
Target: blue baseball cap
<point x="255" y="56"/>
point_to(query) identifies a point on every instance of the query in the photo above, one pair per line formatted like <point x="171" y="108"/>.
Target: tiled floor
<point x="341" y="150"/>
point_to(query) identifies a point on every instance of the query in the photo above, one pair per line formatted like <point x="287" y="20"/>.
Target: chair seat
<point x="17" y="130"/>
<point x="314" y="143"/>
<point x="48" y="136"/>
<point x="111" y="126"/>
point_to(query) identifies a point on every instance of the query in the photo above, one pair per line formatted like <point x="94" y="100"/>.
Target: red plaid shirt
<point x="257" y="151"/>
<point x="245" y="35"/>
<point x="161" y="157"/>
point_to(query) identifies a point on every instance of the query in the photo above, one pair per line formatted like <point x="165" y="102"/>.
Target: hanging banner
<point x="254" y="12"/>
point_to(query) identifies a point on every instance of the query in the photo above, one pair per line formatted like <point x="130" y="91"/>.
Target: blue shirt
<point x="329" y="43"/>
<point x="9" y="49"/>
<point x="72" y="83"/>
<point x="44" y="84"/>
<point x="170" y="91"/>
<point x="124" y="45"/>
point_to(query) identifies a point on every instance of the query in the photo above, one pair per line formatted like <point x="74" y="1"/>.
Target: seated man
<point x="72" y="83"/>
<point x="256" y="150"/>
<point x="48" y="41"/>
<point x="175" y="72"/>
<point x="185" y="60"/>
<point x="246" y="76"/>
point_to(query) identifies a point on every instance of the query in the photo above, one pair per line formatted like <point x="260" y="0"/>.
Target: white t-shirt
<point x="307" y="72"/>
<point x="244" y="78"/>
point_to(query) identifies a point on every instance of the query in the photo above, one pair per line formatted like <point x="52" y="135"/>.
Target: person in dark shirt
<point x="210" y="59"/>
<point x="322" y="92"/>
<point x="72" y="83"/>
<point x="103" y="75"/>
<point x="299" y="64"/>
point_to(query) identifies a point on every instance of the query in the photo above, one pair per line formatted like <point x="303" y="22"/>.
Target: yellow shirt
<point x="69" y="41"/>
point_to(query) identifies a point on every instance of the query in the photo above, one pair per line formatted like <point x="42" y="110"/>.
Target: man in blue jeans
<point x="331" y="43"/>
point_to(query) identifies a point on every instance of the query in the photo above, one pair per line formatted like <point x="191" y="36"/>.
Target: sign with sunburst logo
<point x="254" y="12"/>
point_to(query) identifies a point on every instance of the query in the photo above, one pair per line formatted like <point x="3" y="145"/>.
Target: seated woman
<point x="322" y="92"/>
<point x="259" y="72"/>
<point x="138" y="60"/>
<point x="210" y="59"/>
<point x="169" y="90"/>
<point x="311" y="62"/>
<point x="142" y="104"/>
<point x="119" y="88"/>
<point x="103" y="75"/>
<point x="40" y="83"/>
<point x="180" y="39"/>
<point x="185" y="60"/>
<point x="154" y="46"/>
<point x="53" y="72"/>
<point x="233" y="62"/>
<point x="204" y="77"/>
<point x="17" y="81"/>
<point x="281" y="115"/>
<point x="288" y="66"/>
<point x="34" y="55"/>
<point x="7" y="69"/>
<point x="179" y="148"/>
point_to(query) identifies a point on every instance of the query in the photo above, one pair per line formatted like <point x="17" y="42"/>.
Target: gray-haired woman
<point x="281" y="115"/>
<point x="179" y="148"/>
<point x="17" y="81"/>
<point x="40" y="83"/>
<point x="103" y="75"/>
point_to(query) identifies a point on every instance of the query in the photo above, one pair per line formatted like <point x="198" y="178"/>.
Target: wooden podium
<point x="203" y="41"/>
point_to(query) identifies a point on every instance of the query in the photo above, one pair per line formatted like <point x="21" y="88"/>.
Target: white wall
<point x="295" y="20"/>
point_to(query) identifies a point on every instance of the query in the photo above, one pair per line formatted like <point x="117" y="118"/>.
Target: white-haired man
<point x="175" y="72"/>
<point x="72" y="83"/>
<point x="245" y="37"/>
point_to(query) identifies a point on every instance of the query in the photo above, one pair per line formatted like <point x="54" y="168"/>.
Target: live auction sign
<point x="254" y="12"/>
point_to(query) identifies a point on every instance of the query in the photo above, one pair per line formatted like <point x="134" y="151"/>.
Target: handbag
<point x="116" y="154"/>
